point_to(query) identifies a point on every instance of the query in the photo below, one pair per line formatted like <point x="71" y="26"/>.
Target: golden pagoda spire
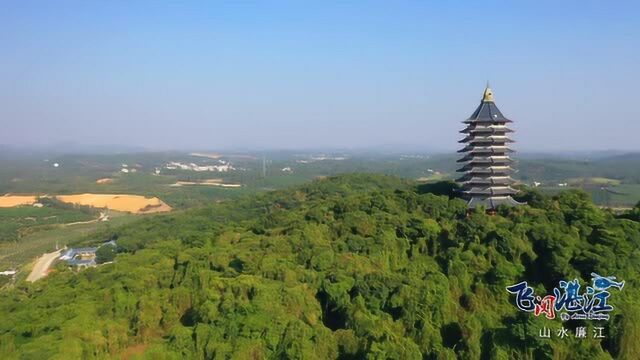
<point x="488" y="93"/>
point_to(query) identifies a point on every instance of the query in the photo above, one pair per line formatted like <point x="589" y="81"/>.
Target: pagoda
<point x="487" y="168"/>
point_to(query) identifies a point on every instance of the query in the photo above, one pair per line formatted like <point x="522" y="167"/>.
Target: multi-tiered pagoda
<point x="487" y="170"/>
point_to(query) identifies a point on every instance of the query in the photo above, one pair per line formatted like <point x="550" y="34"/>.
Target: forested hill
<point x="351" y="267"/>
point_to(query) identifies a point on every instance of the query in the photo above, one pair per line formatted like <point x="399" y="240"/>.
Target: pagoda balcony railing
<point x="476" y="121"/>
<point x="485" y="139"/>
<point x="492" y="191"/>
<point x="492" y="129"/>
<point x="485" y="170"/>
<point x="496" y="159"/>
<point x="473" y="149"/>
<point x="470" y="184"/>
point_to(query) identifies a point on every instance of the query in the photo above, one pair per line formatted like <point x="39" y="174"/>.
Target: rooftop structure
<point x="487" y="165"/>
<point x="85" y="256"/>
<point x="80" y="256"/>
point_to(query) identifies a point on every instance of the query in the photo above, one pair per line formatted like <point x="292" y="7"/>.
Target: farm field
<point x="8" y="201"/>
<point x="15" y="254"/>
<point x="623" y="195"/>
<point x="19" y="221"/>
<point x="595" y="181"/>
<point x="618" y="196"/>
<point x="208" y="182"/>
<point x="135" y="204"/>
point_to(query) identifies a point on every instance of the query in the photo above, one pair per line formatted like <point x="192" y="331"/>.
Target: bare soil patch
<point x="207" y="182"/>
<point x="16" y="200"/>
<point x="135" y="204"/>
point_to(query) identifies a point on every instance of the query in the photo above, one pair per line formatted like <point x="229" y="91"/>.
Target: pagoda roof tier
<point x="480" y="129"/>
<point x="497" y="190"/>
<point x="484" y="164"/>
<point x="487" y="111"/>
<point x="474" y="149"/>
<point x="502" y="142"/>
<point x="495" y="159"/>
<point x="474" y="169"/>
<point x="492" y="180"/>
<point x="492" y="202"/>
<point x="473" y="121"/>
<point x="486" y="139"/>
<point x="479" y="177"/>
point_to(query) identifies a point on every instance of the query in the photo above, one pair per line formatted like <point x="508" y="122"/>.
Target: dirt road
<point x="42" y="265"/>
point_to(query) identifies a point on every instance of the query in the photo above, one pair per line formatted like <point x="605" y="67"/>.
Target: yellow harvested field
<point x="104" y="181"/>
<point x="16" y="200"/>
<point x="136" y="204"/>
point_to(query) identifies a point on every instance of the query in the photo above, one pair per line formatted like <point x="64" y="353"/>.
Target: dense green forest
<point x="349" y="267"/>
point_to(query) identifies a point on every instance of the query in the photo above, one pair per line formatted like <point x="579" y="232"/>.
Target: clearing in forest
<point x="207" y="182"/>
<point x="16" y="200"/>
<point x="135" y="204"/>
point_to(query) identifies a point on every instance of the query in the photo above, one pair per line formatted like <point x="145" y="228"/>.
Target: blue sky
<point x="301" y="74"/>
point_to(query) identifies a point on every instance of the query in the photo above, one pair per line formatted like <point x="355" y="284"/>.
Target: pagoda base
<point x="492" y="202"/>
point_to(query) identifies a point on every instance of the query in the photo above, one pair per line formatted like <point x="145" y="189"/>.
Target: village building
<point x="83" y="257"/>
<point x="80" y="257"/>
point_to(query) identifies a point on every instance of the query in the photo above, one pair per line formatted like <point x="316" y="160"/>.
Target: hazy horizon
<point x="71" y="148"/>
<point x="287" y="75"/>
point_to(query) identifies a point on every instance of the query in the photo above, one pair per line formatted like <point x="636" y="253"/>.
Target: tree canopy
<point x="349" y="267"/>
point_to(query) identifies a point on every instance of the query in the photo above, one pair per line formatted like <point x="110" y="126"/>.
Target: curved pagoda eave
<point x="486" y="149"/>
<point x="492" y="202"/>
<point x="491" y="129"/>
<point x="476" y="139"/>
<point x="486" y="180"/>
<point x="482" y="159"/>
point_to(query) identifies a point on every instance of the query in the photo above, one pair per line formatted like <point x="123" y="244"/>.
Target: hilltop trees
<point x="349" y="267"/>
<point x="105" y="253"/>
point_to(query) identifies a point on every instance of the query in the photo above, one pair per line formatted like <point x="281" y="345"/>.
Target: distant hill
<point x="70" y="148"/>
<point x="622" y="158"/>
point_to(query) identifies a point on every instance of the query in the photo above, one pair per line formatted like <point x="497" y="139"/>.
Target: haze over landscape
<point x="300" y="75"/>
<point x="309" y="180"/>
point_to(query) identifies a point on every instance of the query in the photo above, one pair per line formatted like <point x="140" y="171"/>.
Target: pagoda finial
<point x="488" y="93"/>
